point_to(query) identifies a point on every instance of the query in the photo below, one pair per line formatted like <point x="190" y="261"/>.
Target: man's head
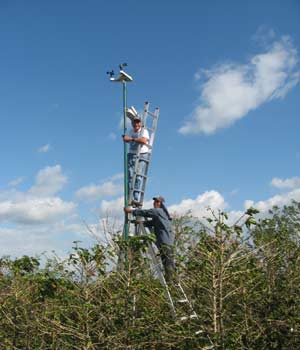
<point x="158" y="201"/>
<point x="136" y="124"/>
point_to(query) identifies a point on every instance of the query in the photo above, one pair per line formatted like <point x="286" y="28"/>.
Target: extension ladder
<point x="151" y="127"/>
<point x="181" y="298"/>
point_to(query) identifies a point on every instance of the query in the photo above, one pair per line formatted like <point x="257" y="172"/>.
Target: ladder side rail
<point x="152" y="114"/>
<point x="154" y="127"/>
<point x="157" y="266"/>
<point x="187" y="300"/>
<point x="151" y="141"/>
<point x="144" y="183"/>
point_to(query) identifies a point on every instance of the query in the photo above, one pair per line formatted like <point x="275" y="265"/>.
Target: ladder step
<point x="142" y="175"/>
<point x="191" y="317"/>
<point x="136" y="190"/>
<point x="184" y="318"/>
<point x="143" y="159"/>
<point x="182" y="301"/>
<point x="152" y="114"/>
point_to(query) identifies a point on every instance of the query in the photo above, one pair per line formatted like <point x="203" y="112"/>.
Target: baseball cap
<point x="159" y="198"/>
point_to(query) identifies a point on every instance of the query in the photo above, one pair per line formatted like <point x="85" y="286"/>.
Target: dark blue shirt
<point x="162" y="225"/>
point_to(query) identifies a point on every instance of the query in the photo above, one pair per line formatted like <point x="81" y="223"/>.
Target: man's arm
<point x="141" y="140"/>
<point x="146" y="213"/>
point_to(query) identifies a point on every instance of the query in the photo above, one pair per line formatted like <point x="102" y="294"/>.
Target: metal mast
<point x="123" y="78"/>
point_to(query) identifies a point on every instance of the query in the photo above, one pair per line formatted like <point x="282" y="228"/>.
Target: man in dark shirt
<point x="161" y="222"/>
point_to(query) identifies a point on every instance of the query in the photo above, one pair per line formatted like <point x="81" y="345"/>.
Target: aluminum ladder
<point x="181" y="307"/>
<point x="157" y="269"/>
<point x="149" y="122"/>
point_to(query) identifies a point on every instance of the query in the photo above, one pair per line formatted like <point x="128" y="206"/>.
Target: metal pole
<point x="126" y="221"/>
<point x="123" y="78"/>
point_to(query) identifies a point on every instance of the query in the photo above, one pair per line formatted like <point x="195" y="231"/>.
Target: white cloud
<point x="291" y="183"/>
<point x="44" y="149"/>
<point x="198" y="206"/>
<point x="116" y="177"/>
<point x="279" y="200"/>
<point x="16" y="182"/>
<point x="49" y="181"/>
<point x="285" y="198"/>
<point x="30" y="240"/>
<point x="264" y="35"/>
<point x="19" y="241"/>
<point x="231" y="91"/>
<point x="113" y="208"/>
<point x="38" y="205"/>
<point x="94" y="192"/>
<point x="111" y="187"/>
<point x="34" y="210"/>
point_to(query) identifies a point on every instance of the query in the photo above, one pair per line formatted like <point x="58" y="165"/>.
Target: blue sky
<point x="224" y="74"/>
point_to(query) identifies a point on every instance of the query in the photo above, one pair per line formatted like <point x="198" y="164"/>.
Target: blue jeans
<point x="139" y="180"/>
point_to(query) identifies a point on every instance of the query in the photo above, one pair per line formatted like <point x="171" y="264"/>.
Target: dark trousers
<point x="167" y="258"/>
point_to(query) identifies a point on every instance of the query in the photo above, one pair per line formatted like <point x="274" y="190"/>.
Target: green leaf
<point x="250" y="221"/>
<point x="251" y="211"/>
<point x="238" y="229"/>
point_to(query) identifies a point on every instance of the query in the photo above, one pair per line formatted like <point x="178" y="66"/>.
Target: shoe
<point x="136" y="204"/>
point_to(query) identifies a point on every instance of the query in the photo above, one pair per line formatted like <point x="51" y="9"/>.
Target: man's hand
<point x="127" y="138"/>
<point x="128" y="210"/>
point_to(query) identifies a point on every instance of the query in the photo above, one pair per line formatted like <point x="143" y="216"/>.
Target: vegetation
<point x="242" y="279"/>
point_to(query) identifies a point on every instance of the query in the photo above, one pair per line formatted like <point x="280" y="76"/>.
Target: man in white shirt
<point x="137" y="136"/>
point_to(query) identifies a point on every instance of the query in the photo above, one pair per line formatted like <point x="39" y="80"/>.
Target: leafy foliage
<point x="242" y="279"/>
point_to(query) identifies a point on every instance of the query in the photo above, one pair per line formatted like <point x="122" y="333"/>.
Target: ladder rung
<point x="136" y="190"/>
<point x="144" y="160"/>
<point x="152" y="114"/>
<point x="142" y="175"/>
<point x="191" y="317"/>
<point x="182" y="301"/>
